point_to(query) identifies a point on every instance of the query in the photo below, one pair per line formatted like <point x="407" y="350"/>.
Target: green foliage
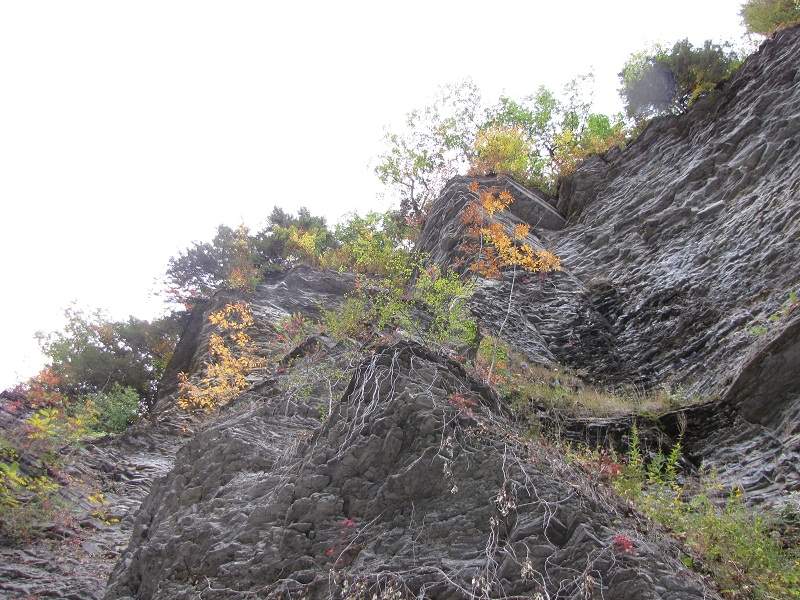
<point x="26" y="501"/>
<point x="373" y="245"/>
<point x="435" y="307"/>
<point x="766" y="16"/>
<point x="351" y="320"/>
<point x="635" y="460"/>
<point x="538" y="119"/>
<point x="760" y="327"/>
<point x="112" y="411"/>
<point x="49" y="430"/>
<point x="757" y="330"/>
<point x="597" y="134"/>
<point x="92" y="352"/>
<point x="434" y="145"/>
<point x="536" y="140"/>
<point x="445" y="298"/>
<point x="204" y="267"/>
<point x="502" y="150"/>
<point x="393" y="287"/>
<point x="235" y="258"/>
<point x="554" y="132"/>
<point x="529" y="387"/>
<point x="288" y="240"/>
<point x="670" y="80"/>
<point x="787" y="308"/>
<point x="739" y="547"/>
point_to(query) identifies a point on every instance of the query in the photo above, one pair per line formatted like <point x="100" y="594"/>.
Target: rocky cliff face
<point x="398" y="492"/>
<point x="680" y="255"/>
<point x="419" y="482"/>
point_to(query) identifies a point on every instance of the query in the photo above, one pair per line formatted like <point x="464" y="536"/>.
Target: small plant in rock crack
<point x="743" y="553"/>
<point x="324" y="413"/>
<point x="293" y="329"/>
<point x="759" y="327"/>
<point x="607" y="466"/>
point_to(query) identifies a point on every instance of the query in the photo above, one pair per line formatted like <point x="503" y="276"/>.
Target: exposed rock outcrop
<point x="400" y="488"/>
<point x="680" y="256"/>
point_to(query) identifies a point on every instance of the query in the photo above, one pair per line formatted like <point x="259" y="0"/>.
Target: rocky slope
<point x="388" y="471"/>
<point x="103" y="484"/>
<point x="399" y="492"/>
<point x="680" y="257"/>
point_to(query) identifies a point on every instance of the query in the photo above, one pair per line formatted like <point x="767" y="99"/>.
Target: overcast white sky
<point x="129" y="129"/>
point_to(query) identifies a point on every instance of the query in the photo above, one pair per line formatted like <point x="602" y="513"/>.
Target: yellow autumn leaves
<point x="231" y="358"/>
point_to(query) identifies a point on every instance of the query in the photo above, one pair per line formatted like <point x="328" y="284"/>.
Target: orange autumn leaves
<point x="492" y="246"/>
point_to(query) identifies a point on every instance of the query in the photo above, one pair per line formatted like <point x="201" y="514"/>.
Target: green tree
<point x="235" y="258"/>
<point x="536" y="140"/>
<point x="502" y="150"/>
<point x="111" y="411"/>
<point x="288" y="239"/>
<point x="664" y="81"/>
<point x="765" y="16"/>
<point x="92" y="353"/>
<point x="434" y="145"/>
<point x="203" y="268"/>
<point x="555" y="133"/>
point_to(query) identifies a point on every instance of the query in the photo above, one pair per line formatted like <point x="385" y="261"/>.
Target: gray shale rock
<point x="673" y="249"/>
<point x="402" y="486"/>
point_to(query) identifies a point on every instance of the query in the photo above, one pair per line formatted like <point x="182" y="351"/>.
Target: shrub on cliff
<point x="376" y="244"/>
<point x="557" y="132"/>
<point x="766" y="16"/>
<point x="669" y="80"/>
<point x="111" y="411"/>
<point x="502" y="150"/>
<point x="740" y="548"/>
<point x="231" y="358"/>
<point x="536" y="140"/>
<point x="237" y="258"/>
<point x="92" y="353"/>
<point x="26" y="501"/>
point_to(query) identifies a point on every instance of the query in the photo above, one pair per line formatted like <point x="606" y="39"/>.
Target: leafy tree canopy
<point x="535" y="139"/>
<point x="237" y="258"/>
<point x="435" y="144"/>
<point x="766" y="16"/>
<point x="93" y="353"/>
<point x="664" y="81"/>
